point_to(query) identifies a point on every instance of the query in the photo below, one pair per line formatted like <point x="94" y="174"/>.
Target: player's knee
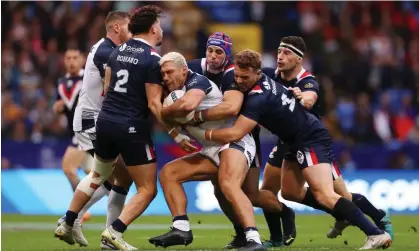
<point x="96" y="178"/>
<point x="326" y="198"/>
<point x="227" y="186"/>
<point x="148" y="192"/>
<point x="168" y="174"/>
<point x="289" y="195"/>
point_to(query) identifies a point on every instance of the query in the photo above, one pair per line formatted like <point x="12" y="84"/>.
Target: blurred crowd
<point x="365" y="55"/>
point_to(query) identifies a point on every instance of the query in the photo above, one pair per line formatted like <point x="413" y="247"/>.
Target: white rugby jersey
<point x="92" y="94"/>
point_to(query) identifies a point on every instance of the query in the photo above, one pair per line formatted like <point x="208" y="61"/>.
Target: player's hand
<point x="185" y="142"/>
<point x="297" y="92"/>
<point x="58" y="106"/>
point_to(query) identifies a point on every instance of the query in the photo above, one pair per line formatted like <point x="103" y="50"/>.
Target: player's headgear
<point x="221" y="40"/>
<point x="294" y="44"/>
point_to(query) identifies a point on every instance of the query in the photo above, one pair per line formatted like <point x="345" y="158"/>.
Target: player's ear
<point x="116" y="28"/>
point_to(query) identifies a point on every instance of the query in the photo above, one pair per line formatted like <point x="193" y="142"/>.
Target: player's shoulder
<point x="305" y="76"/>
<point x="103" y="48"/>
<point x="307" y="81"/>
<point x="197" y="65"/>
<point x="269" y="71"/>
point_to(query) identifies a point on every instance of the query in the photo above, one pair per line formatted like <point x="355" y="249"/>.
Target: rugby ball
<point x="171" y="98"/>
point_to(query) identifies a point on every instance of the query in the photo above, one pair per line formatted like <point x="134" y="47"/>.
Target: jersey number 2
<point x="287" y="101"/>
<point x="121" y="81"/>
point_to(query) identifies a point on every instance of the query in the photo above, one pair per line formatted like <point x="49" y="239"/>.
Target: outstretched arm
<point x="230" y="107"/>
<point x="189" y="102"/>
<point x="242" y="127"/>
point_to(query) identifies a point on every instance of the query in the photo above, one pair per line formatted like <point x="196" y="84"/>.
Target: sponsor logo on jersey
<point x="308" y="85"/>
<point x="128" y="48"/>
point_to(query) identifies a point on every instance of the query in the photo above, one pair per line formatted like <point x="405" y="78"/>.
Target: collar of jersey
<point x="110" y="41"/>
<point x="142" y="40"/>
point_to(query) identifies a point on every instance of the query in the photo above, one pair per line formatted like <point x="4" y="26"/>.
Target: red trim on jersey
<point x="336" y="167"/>
<point x="229" y="67"/>
<point x="305" y="74"/>
<point x="70" y="93"/>
<point x="314" y="157"/>
<point x="153" y="154"/>
<point x="256" y="88"/>
<point x="153" y="50"/>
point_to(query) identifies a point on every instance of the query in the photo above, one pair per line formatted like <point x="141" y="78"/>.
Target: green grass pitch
<point x="211" y="232"/>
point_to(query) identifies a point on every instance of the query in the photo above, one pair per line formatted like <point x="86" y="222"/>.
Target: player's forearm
<point x="178" y="109"/>
<point x="218" y="112"/>
<point x="309" y="99"/>
<point x="155" y="106"/>
<point x="223" y="136"/>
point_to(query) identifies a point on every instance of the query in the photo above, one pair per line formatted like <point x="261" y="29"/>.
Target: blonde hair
<point x="175" y="57"/>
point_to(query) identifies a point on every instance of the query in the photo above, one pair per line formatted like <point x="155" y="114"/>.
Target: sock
<point x="97" y="195"/>
<point x="116" y="203"/>
<point x="182" y="223"/>
<point x="70" y="217"/>
<point x="252" y="234"/>
<point x="273" y="219"/>
<point x="310" y="200"/>
<point x="239" y="230"/>
<point x="355" y="216"/>
<point x="119" y="226"/>
<point x="367" y="208"/>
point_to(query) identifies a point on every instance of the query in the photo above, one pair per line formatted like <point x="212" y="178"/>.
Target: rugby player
<point x="132" y="89"/>
<point x="68" y="89"/>
<point x="274" y="106"/>
<point x="291" y="74"/>
<point x="218" y="67"/>
<point x="87" y="110"/>
<point x="200" y="94"/>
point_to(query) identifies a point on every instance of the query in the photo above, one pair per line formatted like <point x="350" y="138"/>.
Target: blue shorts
<point x="135" y="145"/>
<point x="305" y="156"/>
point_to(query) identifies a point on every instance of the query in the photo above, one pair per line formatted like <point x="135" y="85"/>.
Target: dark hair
<point x="143" y="18"/>
<point x="248" y="59"/>
<point x="114" y="16"/>
<point x="297" y="42"/>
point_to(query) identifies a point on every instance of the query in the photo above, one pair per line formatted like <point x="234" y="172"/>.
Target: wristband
<point x="180" y="137"/>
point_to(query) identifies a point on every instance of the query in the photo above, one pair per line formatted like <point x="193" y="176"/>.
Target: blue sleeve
<point x="100" y="59"/>
<point x="228" y="83"/>
<point x="253" y="107"/>
<point x="199" y="82"/>
<point x="309" y="84"/>
<point x="154" y="72"/>
<point x="269" y="71"/>
<point x="111" y="58"/>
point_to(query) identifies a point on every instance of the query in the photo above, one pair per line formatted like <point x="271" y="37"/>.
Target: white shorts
<point x="85" y="139"/>
<point x="246" y="145"/>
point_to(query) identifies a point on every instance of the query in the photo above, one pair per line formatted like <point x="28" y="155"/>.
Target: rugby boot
<point x="273" y="243"/>
<point x="377" y="241"/>
<point x="337" y="229"/>
<point x="237" y="242"/>
<point x="64" y="232"/>
<point x="115" y="238"/>
<point x="172" y="238"/>
<point x="252" y="246"/>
